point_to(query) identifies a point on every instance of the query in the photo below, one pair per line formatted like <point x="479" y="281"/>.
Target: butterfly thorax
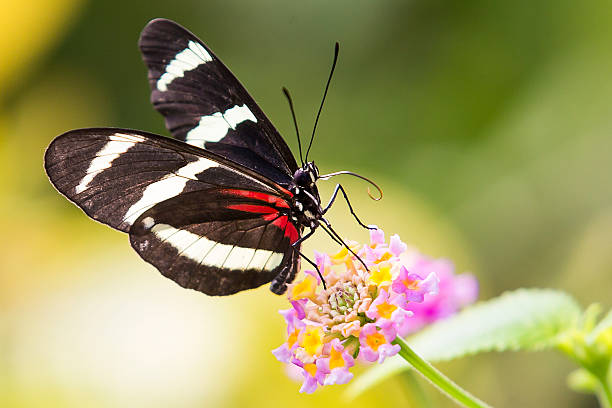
<point x="306" y="202"/>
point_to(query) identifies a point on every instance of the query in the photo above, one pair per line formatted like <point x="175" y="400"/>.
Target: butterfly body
<point x="306" y="201"/>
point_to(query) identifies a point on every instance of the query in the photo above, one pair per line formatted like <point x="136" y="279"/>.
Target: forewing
<point x="205" y="105"/>
<point x="115" y="175"/>
<point x="218" y="241"/>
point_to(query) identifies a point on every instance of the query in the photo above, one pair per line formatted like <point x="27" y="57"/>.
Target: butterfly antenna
<point x="336" y="50"/>
<point x="350" y="173"/>
<point x="297" y="130"/>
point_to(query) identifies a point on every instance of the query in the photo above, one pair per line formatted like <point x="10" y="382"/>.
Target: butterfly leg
<point x="336" y="237"/>
<point x="287" y="274"/>
<point x="339" y="188"/>
<point x="296" y="245"/>
<point x="314" y="265"/>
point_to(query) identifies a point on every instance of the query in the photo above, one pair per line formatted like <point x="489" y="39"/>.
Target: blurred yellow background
<point x="488" y="125"/>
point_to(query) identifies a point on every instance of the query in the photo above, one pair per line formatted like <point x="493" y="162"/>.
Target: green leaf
<point x="525" y="319"/>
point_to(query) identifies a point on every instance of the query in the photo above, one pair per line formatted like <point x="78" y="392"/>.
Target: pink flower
<point x="415" y="287"/>
<point x="282" y="353"/>
<point x="298" y="308"/>
<point x="387" y="307"/>
<point x="396" y="245"/>
<point x="377" y="236"/>
<point x="376" y="342"/>
<point x="293" y="317"/>
<point x="323" y="262"/>
<point x="313" y="377"/>
<point x="362" y="310"/>
<point x="454" y="293"/>
<point x="336" y="366"/>
<point x="310" y="383"/>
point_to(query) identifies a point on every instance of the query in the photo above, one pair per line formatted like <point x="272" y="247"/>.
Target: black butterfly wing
<point x="222" y="241"/>
<point x="133" y="180"/>
<point x="205" y="105"/>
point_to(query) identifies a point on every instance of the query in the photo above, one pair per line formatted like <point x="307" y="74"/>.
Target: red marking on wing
<point x="268" y="198"/>
<point x="284" y="190"/>
<point x="291" y="232"/>
<point x="259" y="209"/>
<point x="283" y="223"/>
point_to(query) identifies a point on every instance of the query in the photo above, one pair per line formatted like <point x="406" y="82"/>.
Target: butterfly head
<point x="306" y="176"/>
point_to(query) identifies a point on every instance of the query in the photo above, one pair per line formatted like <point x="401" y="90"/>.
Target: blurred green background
<point x="488" y="124"/>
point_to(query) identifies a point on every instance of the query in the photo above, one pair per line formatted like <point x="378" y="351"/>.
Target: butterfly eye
<point x="301" y="178"/>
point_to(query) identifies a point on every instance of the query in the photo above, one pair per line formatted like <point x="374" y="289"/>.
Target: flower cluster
<point x="369" y="300"/>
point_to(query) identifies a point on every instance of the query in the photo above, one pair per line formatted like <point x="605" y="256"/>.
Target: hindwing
<point x="203" y="221"/>
<point x="222" y="241"/>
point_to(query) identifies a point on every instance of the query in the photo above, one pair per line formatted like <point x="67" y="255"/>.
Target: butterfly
<point x="220" y="207"/>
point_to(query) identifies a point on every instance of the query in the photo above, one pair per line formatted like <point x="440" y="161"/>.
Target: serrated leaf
<point x="525" y="319"/>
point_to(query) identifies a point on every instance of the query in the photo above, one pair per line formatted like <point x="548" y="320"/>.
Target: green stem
<point x="604" y="394"/>
<point x="438" y="379"/>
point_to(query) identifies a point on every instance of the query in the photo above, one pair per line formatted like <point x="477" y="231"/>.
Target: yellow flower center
<point x="312" y="340"/>
<point x="385" y="310"/>
<point x="385" y="257"/>
<point x="340" y="256"/>
<point x="343" y="257"/>
<point x="311" y="369"/>
<point x="381" y="274"/>
<point x="411" y="284"/>
<point x="375" y="340"/>
<point x="293" y="338"/>
<point x="335" y="359"/>
<point x="304" y="289"/>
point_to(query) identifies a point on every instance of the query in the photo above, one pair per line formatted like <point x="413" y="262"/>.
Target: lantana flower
<point x="365" y="307"/>
<point x="376" y="341"/>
